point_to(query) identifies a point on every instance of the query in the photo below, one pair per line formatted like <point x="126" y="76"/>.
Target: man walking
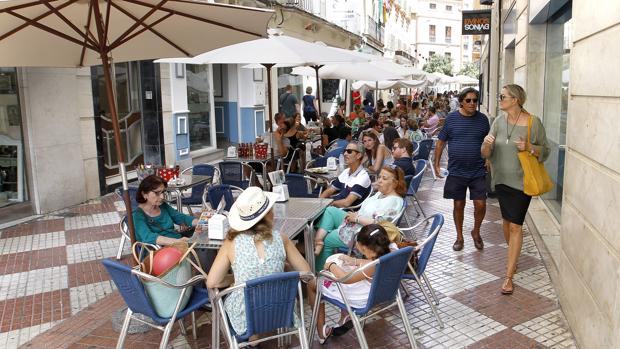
<point x="464" y="132"/>
<point x="289" y="105"/>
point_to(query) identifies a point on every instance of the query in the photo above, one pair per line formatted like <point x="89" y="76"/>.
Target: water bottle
<point x="341" y="162"/>
<point x="443" y="172"/>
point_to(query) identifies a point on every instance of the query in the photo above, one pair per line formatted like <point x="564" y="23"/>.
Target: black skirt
<point x="513" y="203"/>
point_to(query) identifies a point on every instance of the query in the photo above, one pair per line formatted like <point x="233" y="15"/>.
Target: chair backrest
<point x="202" y="170"/>
<point x="130" y="287"/>
<point x="270" y="302"/>
<point x="416" y="149"/>
<point x="426" y="145"/>
<point x="298" y="186"/>
<point x="426" y="247"/>
<point x="215" y="194"/>
<point x="231" y="172"/>
<point x="386" y="279"/>
<point x="335" y="152"/>
<point x="132" y="195"/>
<point x="401" y="213"/>
<point x="414" y="184"/>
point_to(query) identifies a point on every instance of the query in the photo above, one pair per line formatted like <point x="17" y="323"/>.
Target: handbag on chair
<point x="536" y="180"/>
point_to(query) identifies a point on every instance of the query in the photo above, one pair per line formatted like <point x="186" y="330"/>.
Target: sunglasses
<point x="350" y="151"/>
<point x="502" y="97"/>
<point x="471" y="100"/>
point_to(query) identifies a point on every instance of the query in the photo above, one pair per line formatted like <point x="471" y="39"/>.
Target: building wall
<point x="590" y="254"/>
<point x="61" y="136"/>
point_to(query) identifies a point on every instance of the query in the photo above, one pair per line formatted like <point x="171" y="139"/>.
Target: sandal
<point x="318" y="247"/>
<point x="345" y="326"/>
<point x="325" y="335"/>
<point x="506" y="289"/>
<point x="458" y="245"/>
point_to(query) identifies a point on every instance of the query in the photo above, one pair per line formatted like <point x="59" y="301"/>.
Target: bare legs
<point x="458" y="213"/>
<point x="515" y="242"/>
<point x="319" y="236"/>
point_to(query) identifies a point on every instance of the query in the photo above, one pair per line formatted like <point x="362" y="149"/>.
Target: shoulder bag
<point x="536" y="180"/>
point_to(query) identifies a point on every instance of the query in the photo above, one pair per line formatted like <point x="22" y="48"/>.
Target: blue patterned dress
<point x="249" y="266"/>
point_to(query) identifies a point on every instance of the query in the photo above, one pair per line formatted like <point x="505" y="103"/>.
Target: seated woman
<point x="252" y="249"/>
<point x="337" y="227"/>
<point x="377" y="155"/>
<point x="414" y="134"/>
<point x="154" y="219"/>
<point x="372" y="242"/>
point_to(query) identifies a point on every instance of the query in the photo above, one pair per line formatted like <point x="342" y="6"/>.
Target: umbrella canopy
<point x="76" y="33"/>
<point x="465" y="80"/>
<point x="355" y="71"/>
<point x="384" y="85"/>
<point x="275" y="50"/>
<point x="52" y="33"/>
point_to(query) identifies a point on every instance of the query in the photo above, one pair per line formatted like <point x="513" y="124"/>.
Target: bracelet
<point x="329" y="268"/>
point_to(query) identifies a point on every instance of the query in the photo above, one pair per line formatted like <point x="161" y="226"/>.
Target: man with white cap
<point x="252" y="249"/>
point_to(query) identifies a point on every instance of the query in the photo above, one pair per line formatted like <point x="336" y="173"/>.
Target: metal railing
<point x="307" y="6"/>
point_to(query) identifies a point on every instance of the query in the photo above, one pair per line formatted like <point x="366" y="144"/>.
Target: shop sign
<point x="477" y="22"/>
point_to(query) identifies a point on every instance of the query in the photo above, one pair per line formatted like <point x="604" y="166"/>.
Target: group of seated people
<point x="253" y="248"/>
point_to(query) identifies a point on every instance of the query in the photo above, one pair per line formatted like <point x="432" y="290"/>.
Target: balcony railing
<point x="317" y="8"/>
<point x="374" y="29"/>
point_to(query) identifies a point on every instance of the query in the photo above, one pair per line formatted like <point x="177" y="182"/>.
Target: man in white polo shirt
<point x="353" y="185"/>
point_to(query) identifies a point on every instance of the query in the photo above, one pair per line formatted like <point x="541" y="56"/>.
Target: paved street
<point x="54" y="291"/>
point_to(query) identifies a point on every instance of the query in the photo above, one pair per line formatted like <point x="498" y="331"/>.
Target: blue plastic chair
<point x="298" y="186"/>
<point x="322" y="161"/>
<point x="232" y="173"/>
<point x="270" y="303"/>
<point x="132" y="195"/>
<point x="130" y="287"/>
<point x="216" y="192"/>
<point x="416" y="180"/>
<point x="197" y="192"/>
<point x="384" y="291"/>
<point x="416" y="149"/>
<point x="425" y="147"/>
<point x="424" y="254"/>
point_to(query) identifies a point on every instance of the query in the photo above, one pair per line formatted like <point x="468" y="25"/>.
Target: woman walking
<point x="508" y="136"/>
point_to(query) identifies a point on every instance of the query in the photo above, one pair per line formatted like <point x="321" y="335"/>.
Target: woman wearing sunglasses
<point x="154" y="219"/>
<point x="338" y="227"/>
<point x="507" y="137"/>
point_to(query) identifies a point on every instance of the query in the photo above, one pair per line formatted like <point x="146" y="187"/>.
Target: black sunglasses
<point x="350" y="151"/>
<point x="502" y="97"/>
<point x="471" y="100"/>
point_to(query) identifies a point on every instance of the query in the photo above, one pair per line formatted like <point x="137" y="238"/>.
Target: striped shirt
<point x="464" y="135"/>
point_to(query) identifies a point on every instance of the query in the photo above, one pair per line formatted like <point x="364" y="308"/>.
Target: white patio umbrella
<point x="388" y="84"/>
<point x="280" y="50"/>
<point x="464" y="80"/>
<point x="353" y="71"/>
<point x="77" y="33"/>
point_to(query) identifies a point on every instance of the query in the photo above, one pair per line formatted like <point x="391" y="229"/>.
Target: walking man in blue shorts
<point x="464" y="131"/>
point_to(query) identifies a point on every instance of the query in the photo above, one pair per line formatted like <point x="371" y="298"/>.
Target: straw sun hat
<point x="250" y="207"/>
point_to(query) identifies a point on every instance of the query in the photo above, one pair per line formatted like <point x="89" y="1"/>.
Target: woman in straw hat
<point x="252" y="249"/>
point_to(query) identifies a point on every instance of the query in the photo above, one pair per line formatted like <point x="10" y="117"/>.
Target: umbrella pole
<point x="318" y="98"/>
<point x="268" y="66"/>
<point x="117" y="142"/>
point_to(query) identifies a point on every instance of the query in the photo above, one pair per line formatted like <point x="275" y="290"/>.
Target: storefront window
<point x="557" y="62"/>
<point x="198" y="103"/>
<point x="12" y="174"/>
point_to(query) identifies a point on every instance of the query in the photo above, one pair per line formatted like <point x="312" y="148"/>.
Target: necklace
<point x="513" y="127"/>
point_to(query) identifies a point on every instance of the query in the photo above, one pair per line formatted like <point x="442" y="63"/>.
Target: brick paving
<point x="54" y="292"/>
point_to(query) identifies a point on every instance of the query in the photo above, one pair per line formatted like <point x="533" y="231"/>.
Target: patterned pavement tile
<point x="549" y="329"/>
<point x="83" y="296"/>
<point x="512" y="310"/>
<point x="80" y="274"/>
<point x="451" y="276"/>
<point x="94" y="250"/>
<point x="32" y="282"/>
<point x="493" y="260"/>
<point x="506" y="339"/>
<point x="32" y="242"/>
<point x="39" y="259"/>
<point x="38" y="309"/>
<point x="91" y="234"/>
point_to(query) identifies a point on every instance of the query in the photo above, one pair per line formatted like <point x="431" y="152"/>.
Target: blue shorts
<point x="456" y="188"/>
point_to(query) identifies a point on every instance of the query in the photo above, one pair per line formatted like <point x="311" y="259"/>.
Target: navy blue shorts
<point x="456" y="188"/>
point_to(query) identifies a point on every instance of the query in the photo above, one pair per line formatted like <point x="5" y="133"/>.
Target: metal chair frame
<point x="358" y="322"/>
<point x="167" y="329"/>
<point x="205" y="195"/>
<point x="412" y="191"/>
<point x="418" y="275"/>
<point x="310" y="183"/>
<point x="220" y="317"/>
<point x="215" y="179"/>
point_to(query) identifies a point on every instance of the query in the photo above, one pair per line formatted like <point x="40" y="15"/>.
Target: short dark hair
<point x="149" y="184"/>
<point x="467" y="91"/>
<point x="405" y="144"/>
<point x="390" y="105"/>
<point x="344" y="132"/>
